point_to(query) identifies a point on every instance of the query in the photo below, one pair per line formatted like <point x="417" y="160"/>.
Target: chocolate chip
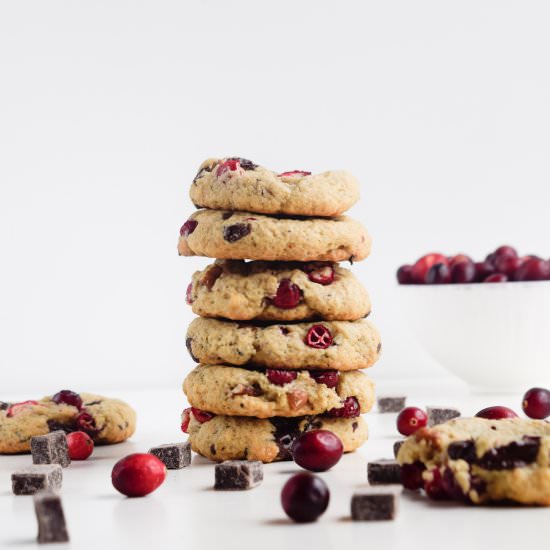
<point x="284" y="330"/>
<point x="51" y="520"/>
<point x="375" y="503"/>
<point x="4" y="406"/>
<point x="55" y="426"/>
<point x="462" y="450"/>
<point x="93" y="403"/>
<point x="439" y="415"/>
<point x="397" y="446"/>
<point x="514" y="455"/>
<point x="391" y="404"/>
<point x="237" y="231"/>
<point x="188" y="342"/>
<point x="286" y="431"/>
<point x="245" y="163"/>
<point x="213" y="449"/>
<point x="238" y="475"/>
<point x="32" y="479"/>
<point x="50" y="449"/>
<point x="384" y="472"/>
<point x="379" y="347"/>
<point x="354" y="426"/>
<point x="226" y="215"/>
<point x="211" y="276"/>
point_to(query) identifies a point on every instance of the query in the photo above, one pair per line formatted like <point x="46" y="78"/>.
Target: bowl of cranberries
<point x="488" y="321"/>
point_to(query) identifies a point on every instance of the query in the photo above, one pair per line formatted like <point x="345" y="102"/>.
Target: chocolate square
<point x="375" y="503"/>
<point x="391" y="403"/>
<point x="51" y="520"/>
<point x="32" y="479"/>
<point x="384" y="472"/>
<point x="397" y="446"/>
<point x="50" y="449"/>
<point x="238" y="474"/>
<point x="174" y="455"/>
<point x="439" y="415"/>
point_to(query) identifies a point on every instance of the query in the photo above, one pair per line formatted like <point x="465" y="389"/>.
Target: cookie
<point x="241" y="236"/>
<point x="480" y="460"/>
<point x="239" y="184"/>
<point x="244" y="438"/>
<point x="106" y="420"/>
<point x="222" y="389"/>
<point x="265" y="291"/>
<point x="339" y="345"/>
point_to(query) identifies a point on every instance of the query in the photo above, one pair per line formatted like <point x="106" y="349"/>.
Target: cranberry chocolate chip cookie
<point x="264" y="393"/>
<point x="339" y="345"/>
<point x="239" y="184"/>
<point x="281" y="291"/>
<point x="243" y="438"/>
<point x="104" y="419"/>
<point x="241" y="236"/>
<point x="480" y="461"/>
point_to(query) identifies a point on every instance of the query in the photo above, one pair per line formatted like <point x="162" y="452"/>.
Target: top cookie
<point x="239" y="184"/>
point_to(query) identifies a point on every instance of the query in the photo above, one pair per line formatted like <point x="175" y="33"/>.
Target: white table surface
<point x="185" y="512"/>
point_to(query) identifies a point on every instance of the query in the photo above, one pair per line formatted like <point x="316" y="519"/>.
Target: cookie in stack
<point x="281" y="339"/>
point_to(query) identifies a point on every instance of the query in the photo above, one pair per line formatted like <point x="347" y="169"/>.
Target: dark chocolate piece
<point x="286" y="432"/>
<point x="51" y="520"/>
<point x="375" y="503"/>
<point x="237" y="231"/>
<point x="174" y="455"/>
<point x="50" y="449"/>
<point x="397" y="446"/>
<point x="439" y="415"/>
<point x="391" y="404"/>
<point x="32" y="479"/>
<point x="238" y="474"/>
<point x="384" y="472"/>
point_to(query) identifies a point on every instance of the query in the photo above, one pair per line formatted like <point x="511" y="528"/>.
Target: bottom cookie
<point x="243" y="438"/>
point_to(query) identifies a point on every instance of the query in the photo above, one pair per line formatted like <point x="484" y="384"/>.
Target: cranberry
<point x="483" y="270"/>
<point x="201" y="416"/>
<point x="404" y="275"/>
<point x="435" y="487"/>
<point x="421" y="267"/>
<point x="463" y="272"/>
<point x="294" y="173"/>
<point x="80" y="445"/>
<point x="319" y="337"/>
<point x="507" y="264"/>
<point x="68" y="397"/>
<point x="323" y="276"/>
<point x="536" y="403"/>
<point x="304" y="497"/>
<point x="189" y="294"/>
<point x="496" y="412"/>
<point x="350" y="409"/>
<point x="411" y="419"/>
<point x="185" y="420"/>
<point x="188" y="227"/>
<point x="496" y="278"/>
<point x="438" y="274"/>
<point x="411" y="475"/>
<point x="245" y="163"/>
<point x="505" y="251"/>
<point x="237" y="231"/>
<point x="329" y="378"/>
<point x="280" y="377"/>
<point x="459" y="258"/>
<point x="138" y="474"/>
<point x="288" y="295"/>
<point x="317" y="450"/>
<point x="85" y="422"/>
<point x="533" y="269"/>
<point x="229" y="165"/>
<point x="13" y="409"/>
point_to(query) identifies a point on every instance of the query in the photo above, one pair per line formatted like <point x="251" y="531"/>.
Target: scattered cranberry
<point x="305" y="497"/>
<point x="329" y="378"/>
<point x="201" y="416"/>
<point x="533" y="269"/>
<point x="317" y="450"/>
<point x="438" y="274"/>
<point x="507" y="264"/>
<point x="323" y="276"/>
<point x="350" y="409"/>
<point x="463" y="272"/>
<point x="188" y="227"/>
<point x="421" y="267"/>
<point x="138" y="474"/>
<point x="319" y="337"/>
<point x="68" y="397"/>
<point x="506" y="251"/>
<point x="185" y="420"/>
<point x="86" y="423"/>
<point x="411" y="475"/>
<point x="536" y="403"/>
<point x="280" y="377"/>
<point x="459" y="258"/>
<point x="496" y="412"/>
<point x="411" y="419"/>
<point x="80" y="445"/>
<point x="229" y="165"/>
<point x="404" y="275"/>
<point x="496" y="278"/>
<point x="294" y="173"/>
<point x="435" y="487"/>
<point x="483" y="270"/>
<point x="14" y="409"/>
<point x="189" y="294"/>
<point x="288" y="295"/>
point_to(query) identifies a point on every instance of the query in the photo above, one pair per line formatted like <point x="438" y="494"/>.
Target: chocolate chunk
<point x="439" y="415"/>
<point x="286" y="432"/>
<point x="245" y="163"/>
<point x="51" y="520"/>
<point x="50" y="449"/>
<point x="174" y="455"/>
<point x="55" y="426"/>
<point x="32" y="479"/>
<point x="391" y="404"/>
<point x="238" y="474"/>
<point x="397" y="446"/>
<point x="462" y="450"/>
<point x="375" y="503"/>
<point x="4" y="406"/>
<point x="384" y="472"/>
<point x="514" y="455"/>
<point x="237" y="231"/>
<point x="226" y="215"/>
<point x="188" y="342"/>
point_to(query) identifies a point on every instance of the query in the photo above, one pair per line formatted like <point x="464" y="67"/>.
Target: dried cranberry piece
<point x="294" y="173"/>
<point x="280" y="377"/>
<point x="68" y="397"/>
<point x="327" y="377"/>
<point x="185" y="420"/>
<point x="188" y="345"/>
<point x="411" y="475"/>
<point x="189" y="294"/>
<point x="211" y="276"/>
<point x="201" y="416"/>
<point x="229" y="165"/>
<point x="245" y="163"/>
<point x="14" y="409"/>
<point x="288" y="295"/>
<point x="319" y="337"/>
<point x="323" y="275"/>
<point x="237" y="231"/>
<point x="188" y="227"/>
<point x="435" y="488"/>
<point x="350" y="409"/>
<point x="86" y="423"/>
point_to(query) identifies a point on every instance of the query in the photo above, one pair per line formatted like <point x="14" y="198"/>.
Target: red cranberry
<point x="288" y="295"/>
<point x="496" y="278"/>
<point x="304" y="497"/>
<point x="505" y="251"/>
<point x="201" y="416"/>
<point x="533" y="269"/>
<point x="280" y="377"/>
<point x="12" y="410"/>
<point x="189" y="294"/>
<point x="138" y="474"/>
<point x="294" y="173"/>
<point x="411" y="419"/>
<point x="86" y="423"/>
<point x="350" y="409"/>
<point x="507" y="264"/>
<point x="459" y="258"/>
<point x="496" y="412"/>
<point x="329" y="378"/>
<point x="323" y="276"/>
<point x="438" y="274"/>
<point x="80" y="445"/>
<point x="188" y="227"/>
<point x="435" y="488"/>
<point x="463" y="272"/>
<point x="68" y="397"/>
<point x="411" y="475"/>
<point x="318" y="450"/>
<point x="185" y="420"/>
<point x="536" y="403"/>
<point x="229" y="165"/>
<point x="404" y="275"/>
<point x="319" y="337"/>
<point x="421" y="267"/>
<point x="483" y="270"/>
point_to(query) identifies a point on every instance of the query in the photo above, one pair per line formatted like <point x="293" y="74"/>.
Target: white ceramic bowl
<point x="496" y="336"/>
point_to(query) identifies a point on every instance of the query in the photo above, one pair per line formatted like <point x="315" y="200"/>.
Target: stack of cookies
<point x="281" y="339"/>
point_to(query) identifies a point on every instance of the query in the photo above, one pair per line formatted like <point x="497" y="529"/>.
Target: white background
<point x="107" y="108"/>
